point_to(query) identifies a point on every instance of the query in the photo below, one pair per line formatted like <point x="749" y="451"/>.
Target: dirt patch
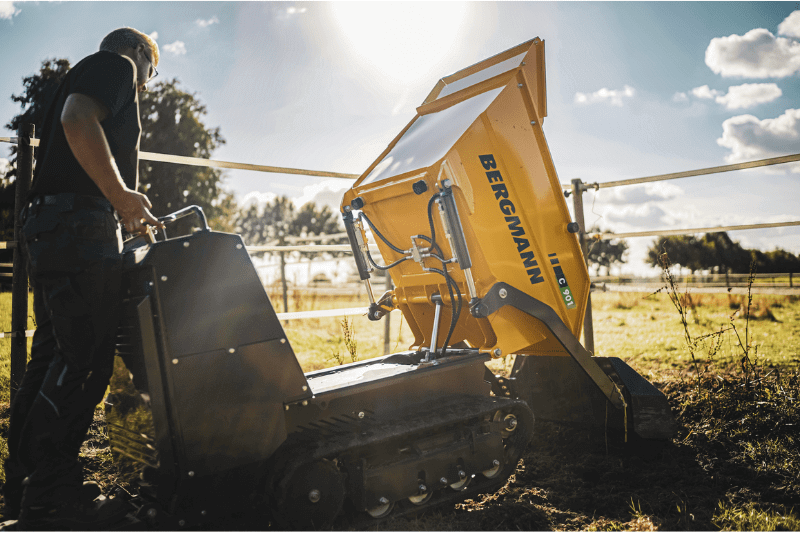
<point x="574" y="479"/>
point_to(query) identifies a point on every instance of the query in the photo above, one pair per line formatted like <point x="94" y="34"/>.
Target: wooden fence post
<point x="284" y="288"/>
<point x="19" y="284"/>
<point x="577" y="202"/>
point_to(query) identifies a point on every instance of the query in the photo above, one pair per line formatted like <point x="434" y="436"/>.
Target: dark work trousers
<point x="73" y="245"/>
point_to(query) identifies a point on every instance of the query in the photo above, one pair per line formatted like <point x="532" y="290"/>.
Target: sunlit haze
<point x="404" y="41"/>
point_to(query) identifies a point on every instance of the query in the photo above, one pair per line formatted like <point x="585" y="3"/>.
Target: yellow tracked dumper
<point x="210" y="415"/>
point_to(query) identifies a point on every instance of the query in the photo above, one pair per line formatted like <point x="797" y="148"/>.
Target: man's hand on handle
<point x="134" y="211"/>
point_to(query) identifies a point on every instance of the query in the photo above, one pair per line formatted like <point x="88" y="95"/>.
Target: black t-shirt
<point x="110" y="78"/>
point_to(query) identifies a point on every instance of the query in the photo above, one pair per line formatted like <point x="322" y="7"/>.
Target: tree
<point x="723" y="252"/>
<point x="684" y="250"/>
<point x="781" y="261"/>
<point x="279" y="219"/>
<point x="172" y="124"/>
<point x="38" y="89"/>
<point x="605" y="252"/>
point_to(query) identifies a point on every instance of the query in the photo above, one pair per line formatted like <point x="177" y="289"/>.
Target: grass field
<point x="732" y="383"/>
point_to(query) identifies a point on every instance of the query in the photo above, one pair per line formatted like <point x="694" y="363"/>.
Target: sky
<point x="633" y="89"/>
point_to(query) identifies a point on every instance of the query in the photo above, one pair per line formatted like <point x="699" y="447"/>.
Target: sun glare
<point x="404" y="41"/>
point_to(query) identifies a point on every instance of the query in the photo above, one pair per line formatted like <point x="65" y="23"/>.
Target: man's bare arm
<point x="81" y="119"/>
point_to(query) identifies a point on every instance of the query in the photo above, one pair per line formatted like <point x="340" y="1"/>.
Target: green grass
<point x="749" y="517"/>
<point x="5" y="342"/>
<point x="646" y="331"/>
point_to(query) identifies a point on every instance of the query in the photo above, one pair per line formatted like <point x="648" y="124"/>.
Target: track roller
<point x="494" y="471"/>
<point x="381" y="510"/>
<point x="423" y="497"/>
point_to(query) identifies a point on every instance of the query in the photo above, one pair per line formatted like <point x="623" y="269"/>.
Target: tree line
<point x="717" y="252"/>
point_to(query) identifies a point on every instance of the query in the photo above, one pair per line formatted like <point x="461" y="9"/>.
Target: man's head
<point x="139" y="47"/>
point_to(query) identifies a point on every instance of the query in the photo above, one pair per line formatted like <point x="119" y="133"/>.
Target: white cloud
<point x="634" y="214"/>
<point x="206" y="23"/>
<point x="258" y="198"/>
<point x="738" y="96"/>
<point x="640" y="194"/>
<point x="791" y="25"/>
<point x="177" y="48"/>
<point x="289" y="12"/>
<point x="749" y="95"/>
<point x="328" y="192"/>
<point x="611" y="96"/>
<point x="756" y="54"/>
<point x="7" y="10"/>
<point x="5" y="166"/>
<point x="680" y="97"/>
<point x="154" y="35"/>
<point x="705" y="92"/>
<point x="749" y="138"/>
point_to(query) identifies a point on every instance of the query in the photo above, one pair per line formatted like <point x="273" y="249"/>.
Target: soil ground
<point x="574" y="479"/>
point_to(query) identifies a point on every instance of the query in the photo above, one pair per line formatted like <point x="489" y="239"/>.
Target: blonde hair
<point x="122" y="38"/>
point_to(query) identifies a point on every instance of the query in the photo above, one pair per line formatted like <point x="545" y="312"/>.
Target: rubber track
<point x="356" y="437"/>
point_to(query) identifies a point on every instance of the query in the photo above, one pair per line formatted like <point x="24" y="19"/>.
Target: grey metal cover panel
<point x="229" y="406"/>
<point x="209" y="294"/>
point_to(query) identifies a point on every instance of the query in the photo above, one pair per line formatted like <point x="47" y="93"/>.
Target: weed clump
<point x="742" y="417"/>
<point x="350" y="343"/>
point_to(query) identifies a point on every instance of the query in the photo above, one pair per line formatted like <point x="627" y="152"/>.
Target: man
<point x="87" y="168"/>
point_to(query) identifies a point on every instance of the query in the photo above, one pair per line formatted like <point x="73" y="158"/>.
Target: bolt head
<point x="519" y="85"/>
<point x="498" y="352"/>
<point x="495" y="463"/>
<point x="443" y="481"/>
<point x="152" y="513"/>
<point x="231" y="350"/>
<point x="462" y="474"/>
<point x="238" y="246"/>
<point x="181" y="523"/>
<point x="186" y="244"/>
<point x="383" y="500"/>
<point x="305" y="388"/>
<point x="163" y="278"/>
<point x="305" y="402"/>
<point x="422" y="488"/>
<point x="191" y="473"/>
<point x="361" y="414"/>
<point x="174" y="361"/>
<point x="502" y="293"/>
<point x="314" y="496"/>
<point x="203" y="512"/>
